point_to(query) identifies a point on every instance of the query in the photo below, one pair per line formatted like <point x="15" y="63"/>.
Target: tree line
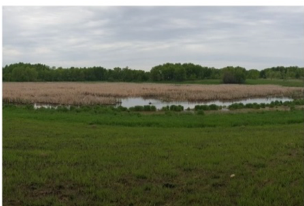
<point x="26" y="72"/>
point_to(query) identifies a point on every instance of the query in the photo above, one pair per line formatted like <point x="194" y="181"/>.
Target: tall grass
<point x="110" y="93"/>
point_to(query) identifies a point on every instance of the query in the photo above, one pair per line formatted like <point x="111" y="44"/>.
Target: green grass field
<point x="282" y="82"/>
<point x="96" y="156"/>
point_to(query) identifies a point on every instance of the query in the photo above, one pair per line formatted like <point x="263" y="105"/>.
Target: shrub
<point x="299" y="102"/>
<point x="139" y="108"/>
<point x="255" y="106"/>
<point x="201" y="107"/>
<point x="213" y="107"/>
<point x="176" y="108"/>
<point x="180" y="108"/>
<point x="152" y="108"/>
<point x="142" y="108"/>
<point x="172" y="107"/>
<point x="234" y="77"/>
<point x="249" y="105"/>
<point x="165" y="108"/>
<point x="286" y="103"/>
<point x="236" y="106"/>
<point x="276" y="103"/>
<point x="146" y="107"/>
<point x="149" y="108"/>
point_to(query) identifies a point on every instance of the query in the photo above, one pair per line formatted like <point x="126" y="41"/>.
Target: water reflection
<point x="138" y="101"/>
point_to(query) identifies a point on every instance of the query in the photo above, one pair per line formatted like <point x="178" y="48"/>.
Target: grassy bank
<point x="104" y="157"/>
<point x="281" y="82"/>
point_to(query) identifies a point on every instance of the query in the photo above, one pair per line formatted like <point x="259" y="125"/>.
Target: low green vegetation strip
<point x="97" y="156"/>
<point x="282" y="82"/>
<point x="101" y="115"/>
<point x="273" y="104"/>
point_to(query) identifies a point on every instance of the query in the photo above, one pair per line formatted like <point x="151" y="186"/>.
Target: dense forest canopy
<point x="24" y="72"/>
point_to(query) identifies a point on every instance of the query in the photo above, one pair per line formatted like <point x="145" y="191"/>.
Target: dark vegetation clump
<point x="176" y="108"/>
<point x="234" y="75"/>
<point x="206" y="107"/>
<point x="146" y="108"/>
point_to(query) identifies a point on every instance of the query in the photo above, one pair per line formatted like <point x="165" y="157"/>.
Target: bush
<point x="299" y="102"/>
<point x="152" y="108"/>
<point x="236" y="106"/>
<point x="213" y="107"/>
<point x="149" y="108"/>
<point x="201" y="107"/>
<point x="230" y="77"/>
<point x="249" y="106"/>
<point x="176" y="108"/>
<point x="256" y="106"/>
<point x="165" y="108"/>
<point x="207" y="107"/>
<point x="276" y="103"/>
<point x="142" y="108"/>
<point x="173" y="107"/>
<point x="146" y="107"/>
<point x="137" y="108"/>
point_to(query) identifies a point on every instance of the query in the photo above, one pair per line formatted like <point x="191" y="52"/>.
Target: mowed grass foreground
<point x="104" y="157"/>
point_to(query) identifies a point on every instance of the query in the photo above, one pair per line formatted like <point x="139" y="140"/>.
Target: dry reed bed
<point x="109" y="93"/>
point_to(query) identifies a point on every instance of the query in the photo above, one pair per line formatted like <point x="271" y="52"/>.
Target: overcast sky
<point x="143" y="37"/>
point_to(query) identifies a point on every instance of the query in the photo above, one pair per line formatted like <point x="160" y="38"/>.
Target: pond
<point x="138" y="101"/>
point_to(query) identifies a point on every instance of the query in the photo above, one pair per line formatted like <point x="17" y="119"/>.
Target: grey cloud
<point x="142" y="37"/>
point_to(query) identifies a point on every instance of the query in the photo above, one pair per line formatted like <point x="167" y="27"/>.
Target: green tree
<point x="252" y="74"/>
<point x="234" y="75"/>
<point x="22" y="74"/>
<point x="156" y="73"/>
<point x="179" y="73"/>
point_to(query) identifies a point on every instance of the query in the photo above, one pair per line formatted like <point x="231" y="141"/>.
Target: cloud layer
<point x="142" y="37"/>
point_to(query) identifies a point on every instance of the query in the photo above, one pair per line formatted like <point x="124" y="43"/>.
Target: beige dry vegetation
<point x="109" y="93"/>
